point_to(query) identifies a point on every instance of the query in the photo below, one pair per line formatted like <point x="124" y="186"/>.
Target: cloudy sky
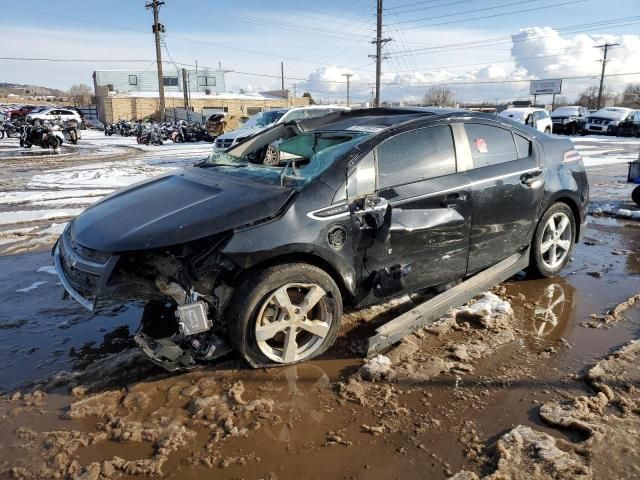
<point x="481" y="49"/>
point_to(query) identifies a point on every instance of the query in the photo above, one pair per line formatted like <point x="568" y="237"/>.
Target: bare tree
<point x="631" y="96"/>
<point x="440" y="97"/>
<point x="589" y="97"/>
<point x="80" y="94"/>
<point x="311" y="100"/>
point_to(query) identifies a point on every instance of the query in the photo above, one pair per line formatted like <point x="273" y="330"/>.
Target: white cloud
<point x="537" y="52"/>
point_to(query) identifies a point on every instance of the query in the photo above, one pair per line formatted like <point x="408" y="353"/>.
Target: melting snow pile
<point x="487" y="305"/>
<point x="378" y="368"/>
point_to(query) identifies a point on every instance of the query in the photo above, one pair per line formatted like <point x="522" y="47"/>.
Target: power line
<point x="484" y="17"/>
<point x="579" y="28"/>
<point x="449" y="4"/>
<point x="412" y="4"/>
<point x="484" y="9"/>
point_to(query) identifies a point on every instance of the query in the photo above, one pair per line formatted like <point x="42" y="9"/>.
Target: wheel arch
<point x="573" y="205"/>
<point x="347" y="293"/>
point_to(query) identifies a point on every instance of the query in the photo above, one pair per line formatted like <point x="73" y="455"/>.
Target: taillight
<point x="571" y="156"/>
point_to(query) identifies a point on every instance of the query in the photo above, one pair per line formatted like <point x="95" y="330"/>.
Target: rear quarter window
<point x="490" y="145"/>
<point x="523" y="146"/>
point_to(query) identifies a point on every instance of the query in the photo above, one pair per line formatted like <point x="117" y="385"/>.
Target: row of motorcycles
<point x="153" y="133"/>
<point x="41" y="134"/>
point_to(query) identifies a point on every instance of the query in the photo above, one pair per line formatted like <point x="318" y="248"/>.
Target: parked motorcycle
<point x="11" y="129"/>
<point x="70" y="131"/>
<point x="149" y="136"/>
<point x="40" y="135"/>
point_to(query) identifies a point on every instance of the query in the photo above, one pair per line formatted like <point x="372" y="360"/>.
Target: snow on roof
<point x="199" y="95"/>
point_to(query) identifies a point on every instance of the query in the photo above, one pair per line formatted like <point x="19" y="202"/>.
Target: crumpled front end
<point x="185" y="287"/>
<point x="83" y="272"/>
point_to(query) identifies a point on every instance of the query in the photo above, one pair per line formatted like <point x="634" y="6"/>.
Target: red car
<point x="22" y="111"/>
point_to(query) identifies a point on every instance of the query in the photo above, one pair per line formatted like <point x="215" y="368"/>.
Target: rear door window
<point x="416" y="155"/>
<point x="490" y="145"/>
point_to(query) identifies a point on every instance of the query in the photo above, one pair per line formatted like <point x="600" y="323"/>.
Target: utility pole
<point x="295" y="90"/>
<point x="604" y="63"/>
<point x="348" y="75"/>
<point x="282" y="76"/>
<point x="158" y="28"/>
<point x="379" y="42"/>
<point x="185" y="85"/>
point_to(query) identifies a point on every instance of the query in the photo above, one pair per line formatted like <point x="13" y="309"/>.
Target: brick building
<point x="133" y="95"/>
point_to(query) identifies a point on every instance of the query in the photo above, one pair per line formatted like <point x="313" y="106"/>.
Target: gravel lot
<point x="545" y="385"/>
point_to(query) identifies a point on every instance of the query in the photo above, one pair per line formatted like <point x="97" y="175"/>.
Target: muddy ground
<point x="540" y="381"/>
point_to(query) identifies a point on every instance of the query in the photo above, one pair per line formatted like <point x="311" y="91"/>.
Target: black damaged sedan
<point x="358" y="208"/>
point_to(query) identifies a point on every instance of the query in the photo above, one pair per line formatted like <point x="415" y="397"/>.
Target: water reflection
<point x="554" y="307"/>
<point x="305" y="384"/>
<point x="546" y="316"/>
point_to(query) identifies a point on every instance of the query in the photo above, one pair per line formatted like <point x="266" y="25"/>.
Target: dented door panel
<point x="430" y="232"/>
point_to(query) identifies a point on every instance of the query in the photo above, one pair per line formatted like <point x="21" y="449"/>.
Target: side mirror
<point x="362" y="181"/>
<point x="371" y="212"/>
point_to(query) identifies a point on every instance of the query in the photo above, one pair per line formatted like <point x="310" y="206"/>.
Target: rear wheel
<point x="635" y="195"/>
<point x="553" y="241"/>
<point x="285" y="314"/>
<point x="547" y="131"/>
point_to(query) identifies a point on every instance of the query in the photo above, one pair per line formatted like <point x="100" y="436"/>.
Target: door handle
<point x="530" y="178"/>
<point x="453" y="199"/>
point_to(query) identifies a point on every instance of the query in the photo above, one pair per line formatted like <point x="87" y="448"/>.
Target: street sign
<point x="545" y="87"/>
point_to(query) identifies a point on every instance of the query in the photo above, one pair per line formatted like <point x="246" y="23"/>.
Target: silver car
<point x="268" y="118"/>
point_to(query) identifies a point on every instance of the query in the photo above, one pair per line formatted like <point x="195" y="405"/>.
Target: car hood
<point x="609" y="115"/>
<point x="174" y="209"/>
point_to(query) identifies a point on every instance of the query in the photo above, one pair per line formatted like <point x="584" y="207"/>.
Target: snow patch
<point x="31" y="287"/>
<point x="487" y="305"/>
<point x="50" y="269"/>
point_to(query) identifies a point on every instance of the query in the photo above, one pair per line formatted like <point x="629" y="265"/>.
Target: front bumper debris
<point x="82" y="277"/>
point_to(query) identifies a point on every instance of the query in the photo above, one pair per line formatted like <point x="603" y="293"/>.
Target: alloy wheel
<point x="556" y="240"/>
<point x="271" y="156"/>
<point x="293" y="322"/>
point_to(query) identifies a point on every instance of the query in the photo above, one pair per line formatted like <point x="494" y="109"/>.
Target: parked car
<point x="22" y="111"/>
<point x="606" y="120"/>
<point x="54" y="113"/>
<point x="381" y="202"/>
<point x="537" y="118"/>
<point x="268" y="118"/>
<point x="570" y="120"/>
<point x="630" y="127"/>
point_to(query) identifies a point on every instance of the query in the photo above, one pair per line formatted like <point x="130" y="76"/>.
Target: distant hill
<point x="29" y="90"/>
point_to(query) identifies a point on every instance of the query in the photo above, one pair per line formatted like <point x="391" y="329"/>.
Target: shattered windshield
<point x="264" y="119"/>
<point x="300" y="158"/>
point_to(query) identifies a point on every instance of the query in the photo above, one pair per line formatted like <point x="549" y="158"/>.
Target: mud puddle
<point x="449" y="402"/>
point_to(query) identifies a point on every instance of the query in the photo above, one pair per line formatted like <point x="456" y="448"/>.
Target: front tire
<point x="553" y="241"/>
<point x="285" y="314"/>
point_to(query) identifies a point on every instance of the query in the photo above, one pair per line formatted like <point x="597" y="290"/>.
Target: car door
<point x="424" y="238"/>
<point x="507" y="185"/>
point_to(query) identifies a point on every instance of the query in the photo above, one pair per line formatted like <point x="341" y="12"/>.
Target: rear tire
<point x="547" y="131"/>
<point x="273" y="303"/>
<point x="635" y="195"/>
<point x="553" y="241"/>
